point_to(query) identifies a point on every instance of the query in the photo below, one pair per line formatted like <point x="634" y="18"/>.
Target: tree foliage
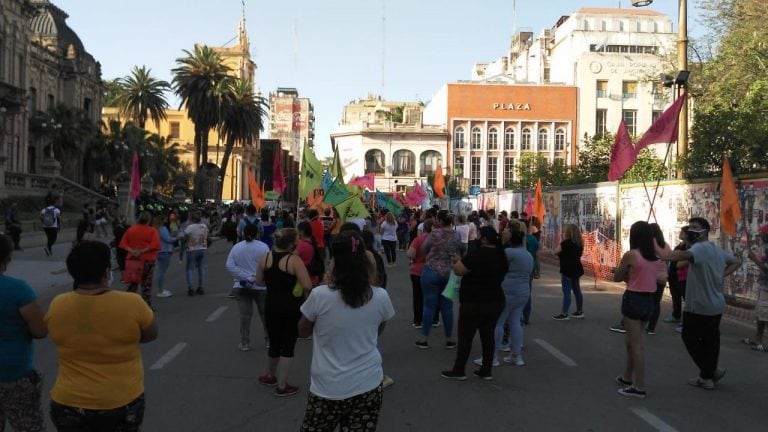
<point x="141" y="97"/>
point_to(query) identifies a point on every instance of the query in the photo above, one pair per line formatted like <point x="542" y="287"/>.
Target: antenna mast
<point x="383" y="42"/>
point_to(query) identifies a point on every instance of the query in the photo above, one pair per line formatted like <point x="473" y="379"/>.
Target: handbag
<point x="452" y="287"/>
<point x="134" y="271"/>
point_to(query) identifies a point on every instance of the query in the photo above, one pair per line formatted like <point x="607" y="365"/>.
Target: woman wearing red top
<point x="318" y="229"/>
<point x="142" y="242"/>
<point x="306" y="249"/>
<point x="641" y="269"/>
<point x="418" y="258"/>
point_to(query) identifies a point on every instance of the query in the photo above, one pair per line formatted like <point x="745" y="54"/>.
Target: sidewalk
<point x="44" y="273"/>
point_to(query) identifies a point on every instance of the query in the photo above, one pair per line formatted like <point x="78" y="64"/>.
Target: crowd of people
<point x="312" y="275"/>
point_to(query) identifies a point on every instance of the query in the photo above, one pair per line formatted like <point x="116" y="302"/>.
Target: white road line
<point x="652" y="420"/>
<point x="216" y="314"/>
<point x="556" y="352"/>
<point x="169" y="356"/>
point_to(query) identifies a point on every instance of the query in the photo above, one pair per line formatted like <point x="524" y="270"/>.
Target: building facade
<point x="492" y="126"/>
<point x="291" y="120"/>
<point x="615" y="57"/>
<point x="389" y="139"/>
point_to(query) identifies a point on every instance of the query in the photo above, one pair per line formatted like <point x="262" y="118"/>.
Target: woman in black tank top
<point x="280" y="270"/>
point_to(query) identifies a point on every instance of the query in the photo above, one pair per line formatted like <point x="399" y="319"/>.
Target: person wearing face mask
<point x="100" y="385"/>
<point x="708" y="265"/>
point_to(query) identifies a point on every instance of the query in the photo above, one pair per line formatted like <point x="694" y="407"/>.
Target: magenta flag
<point x="135" y="177"/>
<point x="278" y="180"/>
<point x="664" y="129"/>
<point x="529" y="205"/>
<point x="367" y="181"/>
<point x="623" y="154"/>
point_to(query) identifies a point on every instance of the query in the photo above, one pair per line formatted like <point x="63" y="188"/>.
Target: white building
<point x="615" y="57"/>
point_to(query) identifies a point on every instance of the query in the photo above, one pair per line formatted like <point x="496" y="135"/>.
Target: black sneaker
<point x="422" y="344"/>
<point x="618" y="328"/>
<point x="631" y="391"/>
<point x="199" y="291"/>
<point x="450" y="345"/>
<point x="190" y="292"/>
<point x="719" y="374"/>
<point x="623" y="382"/>
<point x="485" y="376"/>
<point x="561" y="317"/>
<point x="449" y="374"/>
<point x="578" y="314"/>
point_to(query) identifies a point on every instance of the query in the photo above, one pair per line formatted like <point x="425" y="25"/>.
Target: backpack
<point x="49" y="217"/>
<point x="316" y="267"/>
<point x="256" y="222"/>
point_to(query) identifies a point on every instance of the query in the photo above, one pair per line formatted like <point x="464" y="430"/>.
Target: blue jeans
<point x="571" y="284"/>
<point x="432" y="285"/>
<point x="513" y="310"/>
<point x="163" y="261"/>
<point x="196" y="258"/>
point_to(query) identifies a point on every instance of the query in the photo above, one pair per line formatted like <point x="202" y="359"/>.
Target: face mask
<point x="693" y="235"/>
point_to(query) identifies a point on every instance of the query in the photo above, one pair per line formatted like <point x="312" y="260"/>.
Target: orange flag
<point x="730" y="212"/>
<point x="260" y="202"/>
<point x="253" y="186"/>
<point x="538" y="203"/>
<point x="439" y="183"/>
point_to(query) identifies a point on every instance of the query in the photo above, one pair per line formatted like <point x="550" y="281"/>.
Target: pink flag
<point x="278" y="181"/>
<point x="135" y="177"/>
<point x="529" y="205"/>
<point x="623" y="154"/>
<point x="664" y="129"/>
<point x="367" y="181"/>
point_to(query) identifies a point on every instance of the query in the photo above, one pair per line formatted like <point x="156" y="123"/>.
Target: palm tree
<point x="241" y="121"/>
<point x="163" y="163"/>
<point x="141" y="97"/>
<point x="199" y="81"/>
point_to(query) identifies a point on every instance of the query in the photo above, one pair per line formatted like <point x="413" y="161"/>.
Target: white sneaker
<point x="242" y="346"/>
<point x="516" y="360"/>
<point x="164" y="293"/>
<point x="479" y="361"/>
<point x="505" y="348"/>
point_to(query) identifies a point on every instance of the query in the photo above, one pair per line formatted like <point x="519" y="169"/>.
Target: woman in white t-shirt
<point x="388" y="230"/>
<point x="463" y="229"/>
<point x="345" y="319"/>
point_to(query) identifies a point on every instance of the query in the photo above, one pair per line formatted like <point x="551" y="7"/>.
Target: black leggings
<point x="656" y="311"/>
<point x="51" y="234"/>
<point x="282" y="329"/>
<point x="482" y="318"/>
<point x="390" y="250"/>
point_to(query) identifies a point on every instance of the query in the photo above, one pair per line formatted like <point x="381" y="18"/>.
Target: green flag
<point x="336" y="169"/>
<point x="395" y="207"/>
<point x="272" y="195"/>
<point x="354" y="190"/>
<point x="343" y="208"/>
<point x="336" y="193"/>
<point x="311" y="176"/>
<point x="357" y="210"/>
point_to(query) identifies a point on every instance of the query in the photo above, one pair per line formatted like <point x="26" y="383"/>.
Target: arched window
<point x="374" y="161"/>
<point x="429" y="160"/>
<point x="458" y="138"/>
<point x="493" y="139"/>
<point x="525" y="139"/>
<point x="509" y="139"/>
<point x="543" y="139"/>
<point x="403" y="163"/>
<point x="560" y="139"/>
<point x="476" y="138"/>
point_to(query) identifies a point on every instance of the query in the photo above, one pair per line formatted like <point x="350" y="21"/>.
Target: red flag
<point x="438" y="185"/>
<point x="135" y="177"/>
<point x="730" y="212"/>
<point x="529" y="205"/>
<point x="538" y="202"/>
<point x="278" y="181"/>
<point x="367" y="181"/>
<point x="623" y="154"/>
<point x="664" y="129"/>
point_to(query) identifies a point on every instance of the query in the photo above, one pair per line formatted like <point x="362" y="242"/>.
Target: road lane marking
<point x="556" y="353"/>
<point x="169" y="356"/>
<point x="659" y="424"/>
<point x="216" y="314"/>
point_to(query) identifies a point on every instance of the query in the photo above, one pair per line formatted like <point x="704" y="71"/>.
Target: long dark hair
<point x="351" y="270"/>
<point x="658" y="235"/>
<point x="493" y="238"/>
<point x="641" y="238"/>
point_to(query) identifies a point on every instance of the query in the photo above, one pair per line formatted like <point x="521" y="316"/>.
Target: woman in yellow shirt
<point x="97" y="333"/>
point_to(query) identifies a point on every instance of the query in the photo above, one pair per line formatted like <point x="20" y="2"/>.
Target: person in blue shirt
<point x="21" y="320"/>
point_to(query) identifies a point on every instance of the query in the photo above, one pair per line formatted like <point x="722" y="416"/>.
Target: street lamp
<point x="682" y="65"/>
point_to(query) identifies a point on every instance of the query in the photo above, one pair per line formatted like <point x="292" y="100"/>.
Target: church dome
<point x="50" y="22"/>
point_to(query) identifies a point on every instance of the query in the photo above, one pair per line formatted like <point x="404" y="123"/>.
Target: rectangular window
<point x="655" y="116"/>
<point x="602" y="88"/>
<point x="601" y="122"/>
<point x="175" y="130"/>
<point x="509" y="171"/>
<point x="32" y="106"/>
<point x="474" y="173"/>
<point x="629" y="89"/>
<point x="51" y="101"/>
<point x="458" y="166"/>
<point x="630" y="119"/>
<point x="493" y="170"/>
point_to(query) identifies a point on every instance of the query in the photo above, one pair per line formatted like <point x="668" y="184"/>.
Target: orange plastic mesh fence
<point x="601" y="255"/>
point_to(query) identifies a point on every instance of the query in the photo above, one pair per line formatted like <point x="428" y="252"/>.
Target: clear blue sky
<point x="330" y="50"/>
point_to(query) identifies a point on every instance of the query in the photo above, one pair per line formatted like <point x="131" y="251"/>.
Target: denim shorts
<point x="637" y="305"/>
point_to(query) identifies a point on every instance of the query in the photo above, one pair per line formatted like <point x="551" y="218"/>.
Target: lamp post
<point x="682" y="65"/>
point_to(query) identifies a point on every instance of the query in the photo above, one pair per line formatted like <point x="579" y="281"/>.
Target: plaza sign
<point x="512" y="106"/>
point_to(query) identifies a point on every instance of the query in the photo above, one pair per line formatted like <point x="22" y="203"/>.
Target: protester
<point x="308" y="250"/>
<point x="242" y="264"/>
<point x="50" y="217"/>
<point x="100" y="385"/>
<point x="677" y="277"/>
<point x="418" y="259"/>
<point x="642" y="270"/>
<point x="761" y="306"/>
<point x="704" y="300"/>
<point x="571" y="270"/>
<point x="282" y="273"/>
<point x="21" y="321"/>
<point x="441" y="247"/>
<point x="402" y="231"/>
<point x="118" y="230"/>
<point x="142" y="242"/>
<point x="345" y="318"/>
<point x="167" y="243"/>
<point x="532" y="246"/>
<point x="268" y="227"/>
<point x="463" y="229"/>
<point x="481" y="302"/>
<point x="388" y="231"/>
<point x="318" y="231"/>
<point x="662" y="248"/>
<point x="250" y="218"/>
<point x="13" y="225"/>
<point x="196" y="240"/>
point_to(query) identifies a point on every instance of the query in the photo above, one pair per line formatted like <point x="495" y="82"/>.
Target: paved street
<point x="197" y="379"/>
